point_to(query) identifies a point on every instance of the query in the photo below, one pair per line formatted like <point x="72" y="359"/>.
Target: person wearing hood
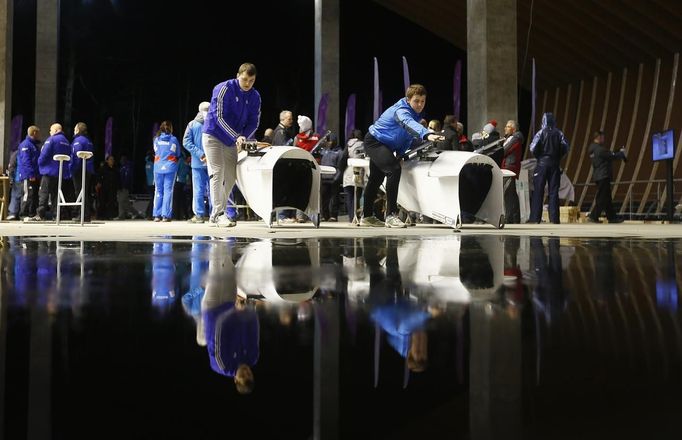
<point x="306" y="138"/>
<point x="192" y="143"/>
<point x="27" y="171"/>
<point x="233" y="117"/>
<point x="396" y="130"/>
<point x="166" y="158"/>
<point x="81" y="142"/>
<point x="549" y="146"/>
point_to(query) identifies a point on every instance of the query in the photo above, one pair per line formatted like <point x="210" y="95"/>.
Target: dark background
<point x="141" y="62"/>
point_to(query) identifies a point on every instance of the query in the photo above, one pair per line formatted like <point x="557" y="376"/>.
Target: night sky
<point x="144" y="61"/>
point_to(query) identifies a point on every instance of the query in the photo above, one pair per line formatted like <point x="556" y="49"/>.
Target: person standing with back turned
<point x="548" y="146"/>
<point x="233" y="117"/>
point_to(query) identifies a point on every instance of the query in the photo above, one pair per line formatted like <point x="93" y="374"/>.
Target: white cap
<point x="203" y="107"/>
<point x="304" y="123"/>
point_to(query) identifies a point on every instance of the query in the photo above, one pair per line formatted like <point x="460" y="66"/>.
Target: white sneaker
<point x="393" y="221"/>
<point x="223" y="221"/>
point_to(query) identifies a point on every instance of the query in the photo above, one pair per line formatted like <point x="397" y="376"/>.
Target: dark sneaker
<point x="616" y="220"/>
<point x="589" y="219"/>
<point x="372" y="221"/>
<point x="196" y="219"/>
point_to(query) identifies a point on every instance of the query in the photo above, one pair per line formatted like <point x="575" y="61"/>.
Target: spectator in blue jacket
<point x="27" y="170"/>
<point x="166" y="157"/>
<point x="81" y="142"/>
<point x="233" y="117"/>
<point x="192" y="143"/>
<point x="396" y="130"/>
<point x="332" y="155"/>
<point x="57" y="143"/>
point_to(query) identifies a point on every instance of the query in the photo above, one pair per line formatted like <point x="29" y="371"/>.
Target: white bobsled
<point x="280" y="177"/>
<point x="443" y="184"/>
<point x="279" y="272"/>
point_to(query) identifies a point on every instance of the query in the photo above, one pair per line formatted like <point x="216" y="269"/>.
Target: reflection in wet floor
<point x="473" y="337"/>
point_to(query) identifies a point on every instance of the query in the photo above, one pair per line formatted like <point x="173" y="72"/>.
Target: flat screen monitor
<point x="663" y="145"/>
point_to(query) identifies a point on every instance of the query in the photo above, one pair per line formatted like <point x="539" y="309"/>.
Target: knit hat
<point x="490" y="127"/>
<point x="304" y="124"/>
<point x="203" y="107"/>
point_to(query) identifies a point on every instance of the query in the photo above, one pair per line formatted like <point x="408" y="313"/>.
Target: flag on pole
<point x="108" y="146"/>
<point x="406" y="74"/>
<point x="322" y="113"/>
<point x="532" y="105"/>
<point x="350" y="116"/>
<point x="15" y="132"/>
<point x="377" y="97"/>
<point x="456" y="89"/>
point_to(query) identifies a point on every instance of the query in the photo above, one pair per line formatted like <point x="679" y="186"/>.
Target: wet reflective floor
<point x="462" y="337"/>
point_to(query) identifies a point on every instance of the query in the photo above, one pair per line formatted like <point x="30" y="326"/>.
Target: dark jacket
<point x="601" y="161"/>
<point x="55" y="144"/>
<point x="283" y="135"/>
<point x="451" y="140"/>
<point x="334" y="157"/>
<point x="549" y="144"/>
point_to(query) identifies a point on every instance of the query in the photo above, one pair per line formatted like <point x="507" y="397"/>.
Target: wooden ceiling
<point x="569" y="39"/>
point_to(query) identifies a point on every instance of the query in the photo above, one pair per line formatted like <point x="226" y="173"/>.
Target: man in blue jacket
<point x="548" y="146"/>
<point x="233" y="117"/>
<point x="27" y="170"/>
<point x="57" y="143"/>
<point x="388" y="139"/>
<point x="192" y="143"/>
<point x="81" y="142"/>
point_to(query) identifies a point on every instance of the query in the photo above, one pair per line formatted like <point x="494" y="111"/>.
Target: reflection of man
<point x="191" y="301"/>
<point x="231" y="326"/>
<point x="163" y="275"/>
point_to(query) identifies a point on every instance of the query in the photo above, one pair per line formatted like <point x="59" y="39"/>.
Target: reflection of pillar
<point x="326" y="371"/>
<point x="327" y="17"/>
<point x="6" y="32"/>
<point x="47" y="59"/>
<point x="39" y="373"/>
<point x="495" y="375"/>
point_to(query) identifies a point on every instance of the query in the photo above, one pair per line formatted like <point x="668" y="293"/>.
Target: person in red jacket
<point x="306" y="137"/>
<point x="513" y="148"/>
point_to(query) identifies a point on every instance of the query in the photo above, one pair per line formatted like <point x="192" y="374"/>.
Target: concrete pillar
<point x="6" y="33"/>
<point x="47" y="61"/>
<point x="491" y="63"/>
<point x="327" y="18"/>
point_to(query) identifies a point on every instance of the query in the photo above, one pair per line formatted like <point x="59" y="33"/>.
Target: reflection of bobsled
<point x="458" y="270"/>
<point x="278" y="272"/>
<point x="280" y="177"/>
<point x="443" y="184"/>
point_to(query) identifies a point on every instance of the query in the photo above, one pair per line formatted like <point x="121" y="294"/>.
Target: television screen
<point x="663" y="145"/>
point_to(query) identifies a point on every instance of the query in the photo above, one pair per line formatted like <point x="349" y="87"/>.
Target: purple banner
<point x="377" y="98"/>
<point x="456" y="89"/>
<point x="322" y="113"/>
<point x="406" y="74"/>
<point x="350" y="116"/>
<point x="532" y="105"/>
<point x="108" y="146"/>
<point x="15" y="132"/>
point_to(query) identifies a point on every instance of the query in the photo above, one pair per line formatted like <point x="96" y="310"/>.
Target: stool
<point x="80" y="200"/>
<point x="358" y="164"/>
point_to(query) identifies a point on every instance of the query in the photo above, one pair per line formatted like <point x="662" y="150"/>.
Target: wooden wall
<point x="629" y="105"/>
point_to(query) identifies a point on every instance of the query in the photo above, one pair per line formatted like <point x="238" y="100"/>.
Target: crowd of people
<point x="194" y="179"/>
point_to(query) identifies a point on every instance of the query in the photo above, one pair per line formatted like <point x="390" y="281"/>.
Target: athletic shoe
<point x="372" y="221"/>
<point x="393" y="221"/>
<point x="224" y="221"/>
<point x="196" y="219"/>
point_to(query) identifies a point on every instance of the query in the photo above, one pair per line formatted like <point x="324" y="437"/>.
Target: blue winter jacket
<point x="56" y="144"/>
<point x="166" y="154"/>
<point x="27" y="159"/>
<point x="549" y="144"/>
<point x="398" y="127"/>
<point x="233" y="112"/>
<point x="192" y="141"/>
<point x="232" y="338"/>
<point x="81" y="143"/>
